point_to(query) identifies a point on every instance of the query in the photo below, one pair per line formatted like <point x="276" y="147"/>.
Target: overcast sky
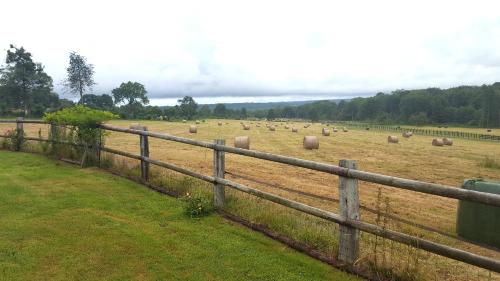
<point x="225" y="51"/>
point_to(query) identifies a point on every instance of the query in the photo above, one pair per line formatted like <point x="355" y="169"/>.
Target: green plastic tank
<point x="479" y="222"/>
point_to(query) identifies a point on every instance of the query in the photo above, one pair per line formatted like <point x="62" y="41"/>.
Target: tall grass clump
<point x="490" y="163"/>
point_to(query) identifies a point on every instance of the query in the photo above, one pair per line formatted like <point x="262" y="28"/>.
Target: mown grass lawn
<point x="58" y="222"/>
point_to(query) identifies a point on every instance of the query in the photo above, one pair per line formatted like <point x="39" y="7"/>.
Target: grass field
<point x="63" y="223"/>
<point x="412" y="158"/>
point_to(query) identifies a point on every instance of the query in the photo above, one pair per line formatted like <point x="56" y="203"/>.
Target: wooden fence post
<point x="349" y="209"/>
<point x="144" y="146"/>
<point x="19" y="133"/>
<point x="219" y="168"/>
<point x="54" y="136"/>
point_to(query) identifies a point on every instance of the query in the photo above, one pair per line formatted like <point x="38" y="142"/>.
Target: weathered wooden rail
<point x="348" y="219"/>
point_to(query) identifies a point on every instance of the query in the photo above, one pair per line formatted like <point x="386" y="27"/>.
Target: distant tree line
<point x="464" y="105"/>
<point x="25" y="89"/>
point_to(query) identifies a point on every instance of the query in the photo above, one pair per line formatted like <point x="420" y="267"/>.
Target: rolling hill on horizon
<point x="264" y="105"/>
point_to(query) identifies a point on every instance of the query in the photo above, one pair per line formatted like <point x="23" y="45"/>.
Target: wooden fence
<point x="421" y="131"/>
<point x="348" y="173"/>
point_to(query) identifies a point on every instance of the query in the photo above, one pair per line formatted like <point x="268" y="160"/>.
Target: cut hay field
<point x="413" y="158"/>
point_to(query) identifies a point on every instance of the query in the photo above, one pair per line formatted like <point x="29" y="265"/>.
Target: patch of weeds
<point x="197" y="204"/>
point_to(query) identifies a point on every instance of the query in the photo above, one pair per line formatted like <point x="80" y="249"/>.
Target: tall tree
<point x="134" y="94"/>
<point x="188" y="107"/>
<point x="131" y="93"/>
<point x="24" y="83"/>
<point x="80" y="75"/>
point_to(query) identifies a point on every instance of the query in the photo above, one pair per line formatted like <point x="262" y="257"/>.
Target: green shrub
<point x="197" y="204"/>
<point x="84" y="129"/>
<point x="13" y="140"/>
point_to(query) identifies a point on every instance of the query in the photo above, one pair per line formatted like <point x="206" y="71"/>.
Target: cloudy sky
<point x="227" y="51"/>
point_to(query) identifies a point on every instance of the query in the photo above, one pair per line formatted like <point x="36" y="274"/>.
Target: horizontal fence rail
<point x="24" y="121"/>
<point x="219" y="181"/>
<point x="424" y="132"/>
<point x="419" y="186"/>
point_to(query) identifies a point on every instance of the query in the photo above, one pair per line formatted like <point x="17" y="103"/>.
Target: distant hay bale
<point x="392" y="139"/>
<point x="184" y="121"/>
<point x="325" y="132"/>
<point x="407" y="134"/>
<point x="193" y="129"/>
<point x="367" y="128"/>
<point x="345" y="130"/>
<point x="272" y="128"/>
<point x="257" y="125"/>
<point x="447" y="141"/>
<point x="287" y="127"/>
<point x="246" y="127"/>
<point x="311" y="142"/>
<point x="219" y="123"/>
<point x="197" y="122"/>
<point x="335" y="130"/>
<point x="327" y="124"/>
<point x="437" y="142"/>
<point x="242" y="142"/>
<point x="295" y="130"/>
<point x="488" y="130"/>
<point x="137" y="126"/>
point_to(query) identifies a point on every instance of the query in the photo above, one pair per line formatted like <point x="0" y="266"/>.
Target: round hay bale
<point x="287" y="127"/>
<point x="488" y="130"/>
<point x="272" y="128"/>
<point x="328" y="125"/>
<point x="392" y="139"/>
<point x="295" y="130"/>
<point x="246" y="127"/>
<point x="367" y="128"/>
<point x="219" y="123"/>
<point x="335" y="130"/>
<point x="184" y="121"/>
<point x="345" y="130"/>
<point x="447" y="141"/>
<point x="325" y="132"/>
<point x="311" y="142"/>
<point x="407" y="134"/>
<point x="134" y="125"/>
<point x="242" y="142"/>
<point x="437" y="142"/>
<point x="257" y="125"/>
<point x="193" y="129"/>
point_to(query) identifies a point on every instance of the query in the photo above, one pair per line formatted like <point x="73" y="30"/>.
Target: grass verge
<point x="63" y="223"/>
